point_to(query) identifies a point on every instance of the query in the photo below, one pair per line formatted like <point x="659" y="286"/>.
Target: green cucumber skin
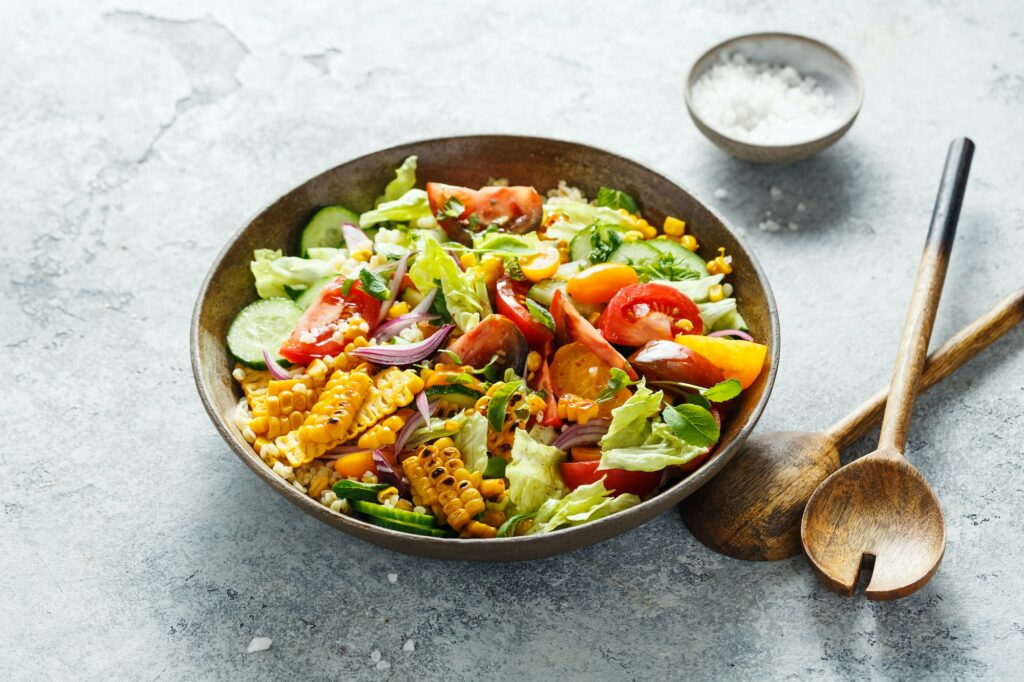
<point x="634" y="253"/>
<point x="391" y="514"/>
<point x="456" y="394"/>
<point x="351" y="490"/>
<point x="691" y="259"/>
<point x="580" y="246"/>
<point x="324" y="228"/>
<point x="307" y="297"/>
<point x="246" y="343"/>
<point x="411" y="528"/>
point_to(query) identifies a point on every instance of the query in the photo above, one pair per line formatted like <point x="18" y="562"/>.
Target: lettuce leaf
<point x="273" y="272"/>
<point x="411" y="206"/>
<point x="662" y="448"/>
<point x="586" y="503"/>
<point x="721" y="315"/>
<point x="405" y="180"/>
<point x="698" y="290"/>
<point x="471" y="440"/>
<point x="532" y="473"/>
<point x="507" y="244"/>
<point x="630" y="423"/>
<point x="579" y="215"/>
<point x="465" y="295"/>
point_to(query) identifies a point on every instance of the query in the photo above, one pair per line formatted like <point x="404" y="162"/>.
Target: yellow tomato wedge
<point x="540" y="265"/>
<point x="355" y="465"/>
<point x="737" y="359"/>
<point x="599" y="283"/>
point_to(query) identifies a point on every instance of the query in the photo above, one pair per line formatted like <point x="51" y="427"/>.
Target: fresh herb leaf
<point x="666" y="267"/>
<point x="460" y="378"/>
<point x="374" y="285"/>
<point x="440" y="305"/>
<point x="513" y="270"/>
<point x="697" y="399"/>
<point x="693" y="424"/>
<point x="616" y="382"/>
<point x="346" y="286"/>
<point x="453" y="355"/>
<point x="499" y="403"/>
<point x="474" y="221"/>
<point x="509" y="527"/>
<point x="603" y="242"/>
<point x="453" y="208"/>
<point x="541" y="314"/>
<point x="495" y="468"/>
<point x="613" y="198"/>
<point x="723" y="390"/>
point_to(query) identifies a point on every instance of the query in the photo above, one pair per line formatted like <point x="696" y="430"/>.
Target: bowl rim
<point x="846" y="122"/>
<point x="359" y="528"/>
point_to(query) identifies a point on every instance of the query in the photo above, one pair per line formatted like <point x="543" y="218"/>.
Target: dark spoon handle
<point x="924" y="301"/>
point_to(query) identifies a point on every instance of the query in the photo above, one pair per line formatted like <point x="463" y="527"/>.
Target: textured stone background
<point x="135" y="137"/>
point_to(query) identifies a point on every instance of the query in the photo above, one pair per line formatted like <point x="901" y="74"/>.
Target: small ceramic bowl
<point x="834" y="73"/>
<point x="470" y="161"/>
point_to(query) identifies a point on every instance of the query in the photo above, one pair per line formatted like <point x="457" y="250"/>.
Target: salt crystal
<point x="763" y="103"/>
<point x="793" y="226"/>
<point x="801" y="207"/>
<point x="375" y="655"/>
<point x="259" y="644"/>
<point x="769" y="226"/>
<point x="409" y="646"/>
<point x="721" y="193"/>
<point x="382" y="665"/>
<point x="775" y="192"/>
<point x="392" y="578"/>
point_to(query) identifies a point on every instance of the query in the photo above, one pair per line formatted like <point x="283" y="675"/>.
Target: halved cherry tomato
<point x="313" y="333"/>
<point x="495" y="337"/>
<point x="620" y="481"/>
<point x="550" y="415"/>
<point x="571" y="325"/>
<point x="510" y="297"/>
<point x="356" y="464"/>
<point x="670" y="361"/>
<point x="518" y="209"/>
<point x="576" y="370"/>
<point x="540" y="265"/>
<point x="643" y="312"/>
<point x="736" y="358"/>
<point x="599" y="283"/>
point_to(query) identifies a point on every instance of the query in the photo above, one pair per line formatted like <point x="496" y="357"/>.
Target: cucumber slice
<point x="307" y="297"/>
<point x="357" y="490"/>
<point x="582" y="246"/>
<point x="459" y="395"/>
<point x="411" y="528"/>
<point x="262" y="324"/>
<point x="544" y="291"/>
<point x="689" y="258"/>
<point x="381" y="512"/>
<point x="324" y="229"/>
<point x="634" y="253"/>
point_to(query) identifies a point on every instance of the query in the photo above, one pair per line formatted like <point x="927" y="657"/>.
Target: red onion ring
<point x="355" y="239"/>
<point x="396" y="282"/>
<point x="582" y="434"/>
<point x="405" y="354"/>
<point x="391" y="328"/>
<point x="732" y="332"/>
<point x="388" y="474"/>
<point x="275" y="369"/>
<point x="414" y="422"/>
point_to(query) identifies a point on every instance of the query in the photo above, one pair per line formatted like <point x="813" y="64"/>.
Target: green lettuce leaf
<point x="471" y="440"/>
<point x="721" y="315"/>
<point x="662" y="448"/>
<point x="698" y="290"/>
<point x="630" y="423"/>
<point x="507" y="244"/>
<point x="586" y="503"/>
<point x="411" y="206"/>
<point x="465" y="295"/>
<point x="405" y="180"/>
<point x="532" y="472"/>
<point x="273" y="272"/>
<point x="579" y="215"/>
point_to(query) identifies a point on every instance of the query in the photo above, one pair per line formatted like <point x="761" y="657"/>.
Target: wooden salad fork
<point x="879" y="509"/>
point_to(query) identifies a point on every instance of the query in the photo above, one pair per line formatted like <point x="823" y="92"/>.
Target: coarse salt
<point x="392" y="578"/>
<point x="721" y="193"/>
<point x="409" y="646"/>
<point x="763" y="103"/>
<point x="259" y="644"/>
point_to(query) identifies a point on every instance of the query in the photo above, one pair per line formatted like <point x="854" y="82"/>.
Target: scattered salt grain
<point x="794" y="226"/>
<point x="775" y="192"/>
<point x="259" y="644"/>
<point x="763" y="103"/>
<point x="375" y="656"/>
<point x="769" y="226"/>
<point x="409" y="646"/>
<point x="382" y="665"/>
<point x="801" y="207"/>
<point x="392" y="578"/>
<point x="721" y="193"/>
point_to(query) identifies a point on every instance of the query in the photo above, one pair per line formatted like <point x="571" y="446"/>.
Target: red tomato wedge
<point x="550" y="415"/>
<point x="570" y="324"/>
<point x="641" y="483"/>
<point x="509" y="296"/>
<point x="516" y="209"/>
<point x="642" y="312"/>
<point x="313" y="334"/>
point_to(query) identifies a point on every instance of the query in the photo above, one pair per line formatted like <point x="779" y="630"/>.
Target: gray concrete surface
<point x="136" y="136"/>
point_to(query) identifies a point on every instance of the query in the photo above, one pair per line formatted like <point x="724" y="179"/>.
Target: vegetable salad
<point x="488" y="362"/>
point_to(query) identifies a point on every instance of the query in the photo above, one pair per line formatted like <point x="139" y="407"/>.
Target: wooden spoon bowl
<point x="877" y="508"/>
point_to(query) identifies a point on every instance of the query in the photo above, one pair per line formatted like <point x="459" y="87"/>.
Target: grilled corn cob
<point x="439" y="480"/>
<point x="283" y="407"/>
<point x="573" y="408"/>
<point x="384" y="432"/>
<point x="391" y="389"/>
<point x="334" y="413"/>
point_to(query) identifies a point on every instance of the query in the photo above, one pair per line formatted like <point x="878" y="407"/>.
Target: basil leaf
<point x="603" y="242"/>
<point x="499" y="403"/>
<point x="452" y="208"/>
<point x="495" y="468"/>
<point x="723" y="390"/>
<point x="440" y="305"/>
<point x="616" y="382"/>
<point x="693" y="424"/>
<point x="374" y="285"/>
<point x="613" y="198"/>
<point x="697" y="399"/>
<point x="540" y="314"/>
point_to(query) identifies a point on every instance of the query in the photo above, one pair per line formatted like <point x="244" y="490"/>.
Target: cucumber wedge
<point x="262" y="325"/>
<point x="324" y="229"/>
<point x="459" y="395"/>
<point x="411" y="528"/>
<point x="355" y="491"/>
<point x="689" y="258"/>
<point x="381" y="512"/>
<point x="582" y="245"/>
<point x="634" y="253"/>
<point x="307" y="297"/>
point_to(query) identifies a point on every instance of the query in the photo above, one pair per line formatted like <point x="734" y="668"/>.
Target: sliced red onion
<point x="422" y="406"/>
<point x="414" y="423"/>
<point x="733" y="332"/>
<point x="582" y="434"/>
<point x="425" y="303"/>
<point x="405" y="354"/>
<point x="388" y="474"/>
<point x="396" y="282"/>
<point x="456" y="259"/>
<point x="355" y="239"/>
<point x="391" y="328"/>
<point x="275" y="369"/>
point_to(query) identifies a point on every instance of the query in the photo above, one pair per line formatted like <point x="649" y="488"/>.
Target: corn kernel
<point x="387" y="493"/>
<point x="452" y="425"/>
<point x="715" y="293"/>
<point x="684" y="325"/>
<point x="673" y="227"/>
<point x="722" y="264"/>
<point x="362" y="255"/>
<point x="398" y="308"/>
<point x="633" y="236"/>
<point x="468" y="260"/>
<point x="689" y="242"/>
<point x="442" y="443"/>
<point x="533" y="361"/>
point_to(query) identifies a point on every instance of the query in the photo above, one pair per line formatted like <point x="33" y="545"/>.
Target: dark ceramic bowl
<point x="471" y="161"/>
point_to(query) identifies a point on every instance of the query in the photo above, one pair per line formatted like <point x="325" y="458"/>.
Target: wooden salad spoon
<point x="752" y="509"/>
<point x="878" y="510"/>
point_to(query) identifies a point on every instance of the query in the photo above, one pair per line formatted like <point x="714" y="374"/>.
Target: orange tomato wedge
<point x="355" y="465"/>
<point x="737" y="359"/>
<point x="540" y="265"/>
<point x="599" y="283"/>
